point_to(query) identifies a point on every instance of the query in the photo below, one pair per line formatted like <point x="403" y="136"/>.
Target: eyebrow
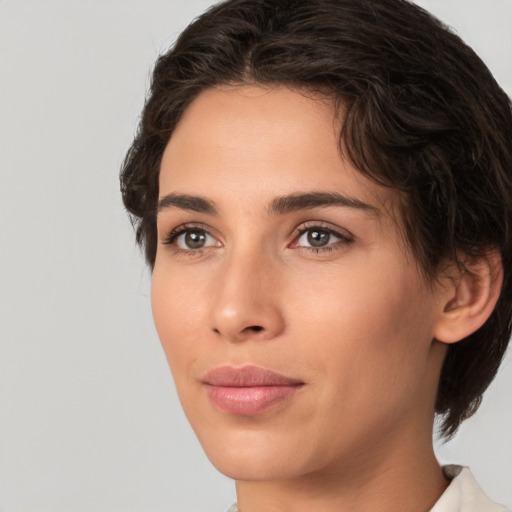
<point x="187" y="202"/>
<point x="280" y="205"/>
<point x="294" y="202"/>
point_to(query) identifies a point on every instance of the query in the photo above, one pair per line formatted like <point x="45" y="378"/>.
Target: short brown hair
<point x="421" y="113"/>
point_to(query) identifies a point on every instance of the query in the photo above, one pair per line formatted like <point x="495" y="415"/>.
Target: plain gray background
<point x="89" y="419"/>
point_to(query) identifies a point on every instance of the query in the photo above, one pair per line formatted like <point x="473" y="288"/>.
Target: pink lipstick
<point x="248" y="390"/>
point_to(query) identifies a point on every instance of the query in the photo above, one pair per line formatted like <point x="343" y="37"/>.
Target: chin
<point x="254" y="468"/>
<point x="256" y="456"/>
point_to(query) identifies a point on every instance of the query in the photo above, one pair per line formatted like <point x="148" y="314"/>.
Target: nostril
<point x="255" y="328"/>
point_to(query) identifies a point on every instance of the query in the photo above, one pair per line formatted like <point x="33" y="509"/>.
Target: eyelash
<point x="345" y="239"/>
<point x="171" y="238"/>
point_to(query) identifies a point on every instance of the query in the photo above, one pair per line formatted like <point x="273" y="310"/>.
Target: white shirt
<point x="462" y="495"/>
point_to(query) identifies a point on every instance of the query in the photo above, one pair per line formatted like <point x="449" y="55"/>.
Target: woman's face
<point x="296" y="324"/>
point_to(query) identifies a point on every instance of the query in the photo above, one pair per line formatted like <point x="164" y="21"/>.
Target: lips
<point x="248" y="390"/>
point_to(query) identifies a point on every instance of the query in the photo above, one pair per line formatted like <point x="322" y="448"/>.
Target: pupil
<point x="318" y="238"/>
<point x="195" y="239"/>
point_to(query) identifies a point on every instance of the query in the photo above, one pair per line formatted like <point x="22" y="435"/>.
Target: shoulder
<point x="464" y="494"/>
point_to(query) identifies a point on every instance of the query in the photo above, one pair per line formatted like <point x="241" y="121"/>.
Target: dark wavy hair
<point x="420" y="113"/>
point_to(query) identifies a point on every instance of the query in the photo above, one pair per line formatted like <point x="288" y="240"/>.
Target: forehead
<point x="257" y="142"/>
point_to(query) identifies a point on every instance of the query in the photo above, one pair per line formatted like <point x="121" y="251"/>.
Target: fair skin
<point x="260" y="265"/>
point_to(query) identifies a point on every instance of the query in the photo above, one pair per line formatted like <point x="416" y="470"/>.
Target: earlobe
<point x="469" y="298"/>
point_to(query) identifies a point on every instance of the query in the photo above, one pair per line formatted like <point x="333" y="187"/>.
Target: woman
<point x="323" y="191"/>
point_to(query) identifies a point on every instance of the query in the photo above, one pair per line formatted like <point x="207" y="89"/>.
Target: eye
<point x="317" y="238"/>
<point x="191" y="239"/>
<point x="320" y="238"/>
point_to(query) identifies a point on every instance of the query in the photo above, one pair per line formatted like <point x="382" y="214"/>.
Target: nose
<point x="247" y="300"/>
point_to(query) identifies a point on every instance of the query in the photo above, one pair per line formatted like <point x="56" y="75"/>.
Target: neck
<point x="410" y="480"/>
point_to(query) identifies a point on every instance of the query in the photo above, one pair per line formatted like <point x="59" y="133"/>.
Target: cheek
<point x="177" y="315"/>
<point x="365" y="327"/>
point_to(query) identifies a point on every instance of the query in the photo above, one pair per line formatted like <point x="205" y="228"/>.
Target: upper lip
<point x="247" y="376"/>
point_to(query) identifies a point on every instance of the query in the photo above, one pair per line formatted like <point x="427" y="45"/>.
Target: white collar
<point x="464" y="494"/>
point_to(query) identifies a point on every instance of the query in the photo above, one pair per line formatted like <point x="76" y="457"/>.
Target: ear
<point x="469" y="296"/>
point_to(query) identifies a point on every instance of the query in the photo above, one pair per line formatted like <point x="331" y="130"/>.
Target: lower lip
<point x="248" y="401"/>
